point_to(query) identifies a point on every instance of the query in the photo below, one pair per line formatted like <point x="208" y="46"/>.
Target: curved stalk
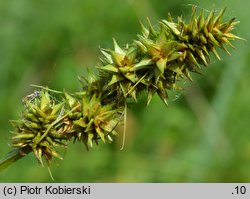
<point x="13" y="156"/>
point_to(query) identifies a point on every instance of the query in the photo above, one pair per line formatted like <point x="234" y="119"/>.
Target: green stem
<point x="12" y="157"/>
<point x="125" y="126"/>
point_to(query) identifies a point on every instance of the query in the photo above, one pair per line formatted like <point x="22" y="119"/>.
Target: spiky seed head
<point x="97" y="122"/>
<point x="34" y="130"/>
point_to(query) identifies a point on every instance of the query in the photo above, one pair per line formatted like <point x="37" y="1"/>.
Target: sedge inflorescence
<point x="154" y="63"/>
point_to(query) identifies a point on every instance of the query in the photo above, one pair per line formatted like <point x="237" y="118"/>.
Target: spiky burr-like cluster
<point x="163" y="55"/>
<point x="154" y="62"/>
<point x="47" y="124"/>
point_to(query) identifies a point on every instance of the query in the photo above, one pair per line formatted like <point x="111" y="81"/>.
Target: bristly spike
<point x="192" y="19"/>
<point x="194" y="22"/>
<point x="213" y="40"/>
<point x="210" y="21"/>
<point x="162" y="36"/>
<point x="150" y="94"/>
<point x="172" y="27"/>
<point x="225" y="49"/>
<point x="215" y="53"/>
<point x="205" y="50"/>
<point x="163" y="95"/>
<point x="201" y="20"/>
<point x="202" y="56"/>
<point x="141" y="47"/>
<point x="232" y="36"/>
<point x="170" y="18"/>
<point x="192" y="59"/>
<point x="187" y="74"/>
<point x="152" y="32"/>
<point x="144" y="30"/>
<point x="226" y="41"/>
<point x="226" y="27"/>
<point x="118" y="49"/>
<point x="218" y="19"/>
<point x="107" y="56"/>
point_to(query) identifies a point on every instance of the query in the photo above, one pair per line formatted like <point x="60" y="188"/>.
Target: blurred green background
<point x="203" y="136"/>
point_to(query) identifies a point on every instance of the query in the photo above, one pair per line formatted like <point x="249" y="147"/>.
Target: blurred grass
<point x="202" y="137"/>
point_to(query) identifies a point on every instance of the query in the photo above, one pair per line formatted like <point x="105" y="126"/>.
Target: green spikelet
<point x="97" y="122"/>
<point x="118" y="64"/>
<point x="35" y="131"/>
<point x="175" y="49"/>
